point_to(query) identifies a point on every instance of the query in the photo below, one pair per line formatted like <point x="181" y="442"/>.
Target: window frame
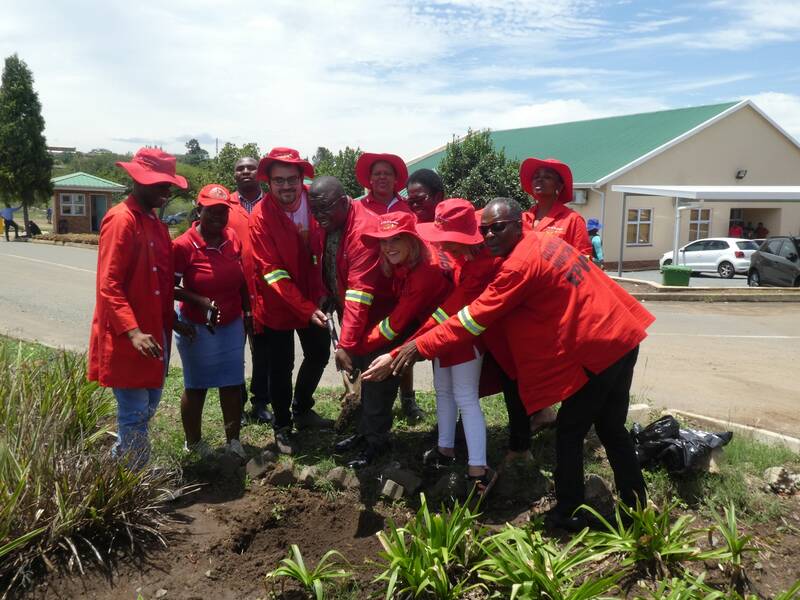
<point x="74" y="201"/>
<point x="694" y="224"/>
<point x="638" y="223"/>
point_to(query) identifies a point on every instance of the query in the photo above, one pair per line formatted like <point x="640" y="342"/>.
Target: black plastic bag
<point x="680" y="451"/>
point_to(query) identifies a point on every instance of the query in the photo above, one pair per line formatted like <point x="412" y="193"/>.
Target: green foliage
<point x="341" y="165"/>
<point x="312" y="580"/>
<point x="223" y="164"/>
<point x="648" y="538"/>
<point x="683" y="588"/>
<point x="24" y="161"/>
<point x="473" y="169"/>
<point x="736" y="545"/>
<point x="523" y="564"/>
<point x="431" y="556"/>
<point x="195" y="154"/>
<point x="60" y="491"/>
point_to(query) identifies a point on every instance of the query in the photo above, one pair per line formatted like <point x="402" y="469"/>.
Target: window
<point x="699" y="223"/>
<point x="748" y="245"/>
<point x="788" y="251"/>
<point x="73" y="205"/>
<point x="773" y="246"/>
<point x="639" y="226"/>
<point x="696" y="247"/>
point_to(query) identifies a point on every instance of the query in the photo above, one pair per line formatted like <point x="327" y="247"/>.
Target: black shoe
<point x="311" y="420"/>
<point x="413" y="413"/>
<point x="555" y="519"/>
<point x="349" y="443"/>
<point x="366" y="456"/>
<point x="261" y="415"/>
<point x="433" y="459"/>
<point x="284" y="441"/>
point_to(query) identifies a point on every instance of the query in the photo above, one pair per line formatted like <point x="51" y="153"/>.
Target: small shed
<point x="80" y="202"/>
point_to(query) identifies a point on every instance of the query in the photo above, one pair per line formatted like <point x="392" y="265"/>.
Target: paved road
<point x="698" y="280"/>
<point x="728" y="360"/>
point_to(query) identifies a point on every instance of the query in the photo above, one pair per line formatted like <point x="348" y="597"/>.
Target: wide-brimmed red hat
<point x="364" y="168"/>
<point x="390" y="225"/>
<point x="529" y="166"/>
<point x="213" y="194"/>
<point x="151" y="166"/>
<point x="455" y="220"/>
<point x="289" y="156"/>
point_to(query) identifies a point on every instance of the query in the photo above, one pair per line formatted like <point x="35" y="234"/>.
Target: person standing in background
<point x="594" y="226"/>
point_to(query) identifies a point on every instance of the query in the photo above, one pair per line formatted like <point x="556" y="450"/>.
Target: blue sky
<point x="388" y="75"/>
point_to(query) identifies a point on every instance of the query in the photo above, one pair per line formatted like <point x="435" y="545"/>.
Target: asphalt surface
<point x="734" y="361"/>
<point x="698" y="280"/>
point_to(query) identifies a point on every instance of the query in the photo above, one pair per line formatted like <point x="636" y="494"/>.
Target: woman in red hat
<point x="383" y="175"/>
<point x="216" y="308"/>
<point x="457" y="373"/>
<point x="549" y="182"/>
<point x="418" y="286"/>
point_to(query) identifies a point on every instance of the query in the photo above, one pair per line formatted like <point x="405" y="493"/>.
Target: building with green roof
<point x="80" y="201"/>
<point x="733" y="143"/>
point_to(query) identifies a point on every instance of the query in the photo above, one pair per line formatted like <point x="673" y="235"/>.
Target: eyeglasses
<point x="281" y="181"/>
<point x="418" y="199"/>
<point x="324" y="209"/>
<point x="495" y="228"/>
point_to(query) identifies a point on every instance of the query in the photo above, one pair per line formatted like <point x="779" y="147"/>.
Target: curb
<point x="771" y="438"/>
<point x="71" y="244"/>
<point x="673" y="293"/>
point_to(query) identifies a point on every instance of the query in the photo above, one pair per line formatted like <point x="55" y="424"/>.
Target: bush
<point x="61" y="493"/>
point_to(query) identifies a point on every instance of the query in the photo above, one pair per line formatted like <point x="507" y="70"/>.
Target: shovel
<point x="351" y="398"/>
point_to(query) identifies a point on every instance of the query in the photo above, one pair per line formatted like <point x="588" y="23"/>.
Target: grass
<point x="61" y="494"/>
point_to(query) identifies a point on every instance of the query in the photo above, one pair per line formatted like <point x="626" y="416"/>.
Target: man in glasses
<point x="361" y="296"/>
<point x="573" y="336"/>
<point x="289" y="287"/>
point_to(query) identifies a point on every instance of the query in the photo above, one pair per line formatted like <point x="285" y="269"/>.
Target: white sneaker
<point x="201" y="448"/>
<point x="235" y="447"/>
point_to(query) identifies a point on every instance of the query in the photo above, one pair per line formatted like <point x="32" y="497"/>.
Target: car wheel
<point x="726" y="270"/>
<point x="667" y="262"/>
<point x="753" y="279"/>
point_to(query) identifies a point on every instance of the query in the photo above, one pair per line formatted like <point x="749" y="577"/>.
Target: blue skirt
<point x="213" y="360"/>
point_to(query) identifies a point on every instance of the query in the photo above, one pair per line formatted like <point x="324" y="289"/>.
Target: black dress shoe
<point x="365" y="457"/>
<point x="349" y="443"/>
<point x="555" y="519"/>
<point x="261" y="415"/>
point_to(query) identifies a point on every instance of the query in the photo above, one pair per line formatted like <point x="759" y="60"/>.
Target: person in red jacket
<point x="243" y="201"/>
<point x="133" y="316"/>
<point x="360" y="294"/>
<point x="574" y="337"/>
<point x="289" y="290"/>
<point x="457" y="373"/>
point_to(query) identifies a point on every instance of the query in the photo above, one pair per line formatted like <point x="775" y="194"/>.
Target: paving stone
<point x="343" y="478"/>
<point x="408" y="479"/>
<point x="392" y="490"/>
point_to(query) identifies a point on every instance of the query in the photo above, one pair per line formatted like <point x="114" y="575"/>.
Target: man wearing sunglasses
<point x="573" y="336"/>
<point x="287" y="300"/>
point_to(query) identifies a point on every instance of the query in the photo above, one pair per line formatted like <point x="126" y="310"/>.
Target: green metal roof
<point x="84" y="181"/>
<point x="598" y="147"/>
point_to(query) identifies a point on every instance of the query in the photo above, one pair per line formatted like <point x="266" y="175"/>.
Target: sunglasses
<point x="495" y="228"/>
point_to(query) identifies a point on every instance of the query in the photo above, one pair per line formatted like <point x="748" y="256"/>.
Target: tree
<point x="341" y="165"/>
<point x="24" y="161"/>
<point x="195" y="154"/>
<point x="223" y="164"/>
<point x="472" y="168"/>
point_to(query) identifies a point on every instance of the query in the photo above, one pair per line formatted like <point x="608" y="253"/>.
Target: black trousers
<point x="278" y="347"/>
<point x="259" y="380"/>
<point x="602" y="402"/>
<point x="7" y="225"/>
<point x="377" y="399"/>
<point x="519" y="424"/>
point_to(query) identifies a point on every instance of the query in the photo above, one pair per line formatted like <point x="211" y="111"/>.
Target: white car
<point x="726" y="256"/>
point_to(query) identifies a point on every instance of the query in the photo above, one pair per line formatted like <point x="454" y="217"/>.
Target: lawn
<point x="230" y="530"/>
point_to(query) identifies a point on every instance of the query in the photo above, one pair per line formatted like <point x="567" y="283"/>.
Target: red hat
<point x="289" y="156"/>
<point x="213" y="194"/>
<point x="529" y="166"/>
<point x="391" y="224"/>
<point x="151" y="166"/>
<point x="364" y="168"/>
<point x="455" y="220"/>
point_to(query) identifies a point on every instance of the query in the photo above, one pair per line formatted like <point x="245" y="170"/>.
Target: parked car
<point x="726" y="256"/>
<point x="174" y="219"/>
<point x="776" y="262"/>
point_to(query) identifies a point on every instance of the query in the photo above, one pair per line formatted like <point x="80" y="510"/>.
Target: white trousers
<point x="457" y="391"/>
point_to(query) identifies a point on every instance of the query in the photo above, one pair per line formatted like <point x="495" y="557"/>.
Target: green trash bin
<point x="676" y="275"/>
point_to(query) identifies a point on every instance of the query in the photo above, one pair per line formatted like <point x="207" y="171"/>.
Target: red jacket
<point x="559" y="313"/>
<point x="287" y="273"/>
<point x="134" y="289"/>
<point x="364" y="292"/>
<point x="239" y="221"/>
<point x="379" y="208"/>
<point x="564" y="223"/>
<point x="418" y="292"/>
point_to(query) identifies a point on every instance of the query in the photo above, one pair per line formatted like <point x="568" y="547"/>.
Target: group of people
<point x="759" y="232"/>
<point x="7" y="212"/>
<point x="499" y="299"/>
